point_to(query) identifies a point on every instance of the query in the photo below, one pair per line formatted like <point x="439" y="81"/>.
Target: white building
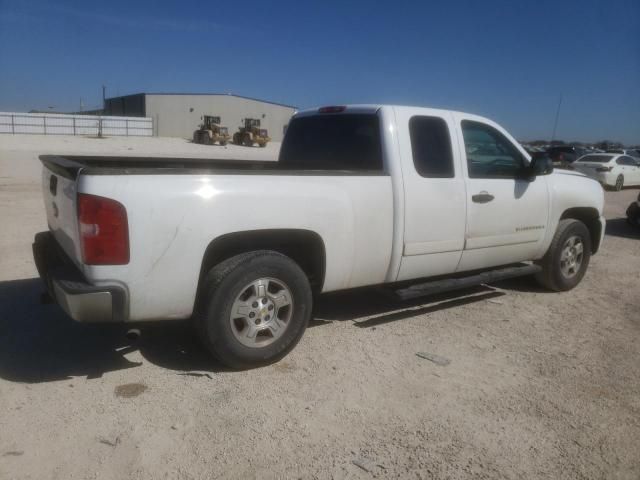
<point x="179" y="114"/>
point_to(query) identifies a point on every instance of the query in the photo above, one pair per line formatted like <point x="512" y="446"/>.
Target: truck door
<point x="434" y="193"/>
<point x="507" y="215"/>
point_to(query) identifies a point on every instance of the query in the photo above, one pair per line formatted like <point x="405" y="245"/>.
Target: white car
<point x="626" y="151"/>
<point x="612" y="170"/>
<point x="360" y="195"/>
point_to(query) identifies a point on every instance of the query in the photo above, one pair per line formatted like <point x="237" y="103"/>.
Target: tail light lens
<point x="104" y="231"/>
<point x="604" y="169"/>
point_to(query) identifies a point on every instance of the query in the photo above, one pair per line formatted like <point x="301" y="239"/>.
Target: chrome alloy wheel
<point x="261" y="312"/>
<point x="571" y="256"/>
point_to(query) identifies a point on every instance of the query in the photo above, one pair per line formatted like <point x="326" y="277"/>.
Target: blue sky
<point x="509" y="60"/>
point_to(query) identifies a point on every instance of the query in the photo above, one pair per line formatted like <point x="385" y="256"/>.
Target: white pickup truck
<point x="360" y="195"/>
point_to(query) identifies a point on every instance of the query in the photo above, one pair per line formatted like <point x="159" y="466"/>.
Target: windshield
<point x="596" y="158"/>
<point x="333" y="142"/>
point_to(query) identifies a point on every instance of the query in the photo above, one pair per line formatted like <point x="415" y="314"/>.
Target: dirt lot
<point x="540" y="385"/>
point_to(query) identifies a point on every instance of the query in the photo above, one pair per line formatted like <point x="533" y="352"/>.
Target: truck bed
<point x="176" y="208"/>
<point x="69" y="166"/>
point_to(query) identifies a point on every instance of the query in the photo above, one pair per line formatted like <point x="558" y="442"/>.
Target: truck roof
<point x="373" y="108"/>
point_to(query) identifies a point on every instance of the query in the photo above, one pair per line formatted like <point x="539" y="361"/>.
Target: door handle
<point x="482" y="197"/>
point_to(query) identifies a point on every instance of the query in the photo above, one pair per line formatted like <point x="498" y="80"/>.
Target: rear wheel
<point x="619" y="183"/>
<point x="248" y="142"/>
<point x="254" y="308"/>
<point x="203" y="138"/>
<point x="567" y="259"/>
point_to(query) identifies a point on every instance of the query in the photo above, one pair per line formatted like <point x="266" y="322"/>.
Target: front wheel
<point x="567" y="259"/>
<point x="254" y="308"/>
<point x="619" y="183"/>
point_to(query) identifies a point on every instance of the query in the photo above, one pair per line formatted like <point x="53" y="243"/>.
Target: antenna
<point x="555" y="123"/>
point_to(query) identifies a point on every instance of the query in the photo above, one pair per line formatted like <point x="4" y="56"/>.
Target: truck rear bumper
<point x="65" y="284"/>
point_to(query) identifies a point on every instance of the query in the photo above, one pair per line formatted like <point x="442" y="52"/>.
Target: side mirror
<point x="541" y="166"/>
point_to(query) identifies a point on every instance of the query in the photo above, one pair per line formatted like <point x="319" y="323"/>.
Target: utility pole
<point x="104" y="89"/>
<point x="555" y="123"/>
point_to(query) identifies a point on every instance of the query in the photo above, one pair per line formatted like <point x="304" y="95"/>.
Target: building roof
<point x="203" y="94"/>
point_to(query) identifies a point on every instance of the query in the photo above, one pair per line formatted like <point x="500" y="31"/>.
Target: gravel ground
<point x="539" y="384"/>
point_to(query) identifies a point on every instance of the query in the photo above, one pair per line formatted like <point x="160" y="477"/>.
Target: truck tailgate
<point x="59" y="192"/>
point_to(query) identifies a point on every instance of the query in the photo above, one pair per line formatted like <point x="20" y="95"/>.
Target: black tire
<point x="633" y="215"/>
<point x="248" y="142"/>
<point x="225" y="282"/>
<point x="619" y="183"/>
<point x="552" y="276"/>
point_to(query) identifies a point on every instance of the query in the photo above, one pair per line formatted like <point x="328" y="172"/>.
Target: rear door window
<point x="348" y="141"/>
<point x="431" y="147"/>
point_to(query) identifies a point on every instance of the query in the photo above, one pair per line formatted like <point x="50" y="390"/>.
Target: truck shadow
<point x="39" y="343"/>
<point x="369" y="307"/>
<point x="619" y="227"/>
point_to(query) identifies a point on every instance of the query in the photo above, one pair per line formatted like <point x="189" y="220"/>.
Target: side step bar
<point x="448" y="284"/>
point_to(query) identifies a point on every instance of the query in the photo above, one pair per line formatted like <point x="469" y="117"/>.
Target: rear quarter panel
<point x="173" y="218"/>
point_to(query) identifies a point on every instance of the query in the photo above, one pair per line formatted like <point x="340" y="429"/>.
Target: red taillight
<point x="104" y="232"/>
<point x="333" y="109"/>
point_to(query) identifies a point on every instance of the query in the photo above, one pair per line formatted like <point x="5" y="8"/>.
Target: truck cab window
<point x="333" y="142"/>
<point x="489" y="153"/>
<point x="431" y="147"/>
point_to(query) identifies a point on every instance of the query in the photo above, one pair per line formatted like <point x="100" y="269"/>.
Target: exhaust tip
<point x="133" y="334"/>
